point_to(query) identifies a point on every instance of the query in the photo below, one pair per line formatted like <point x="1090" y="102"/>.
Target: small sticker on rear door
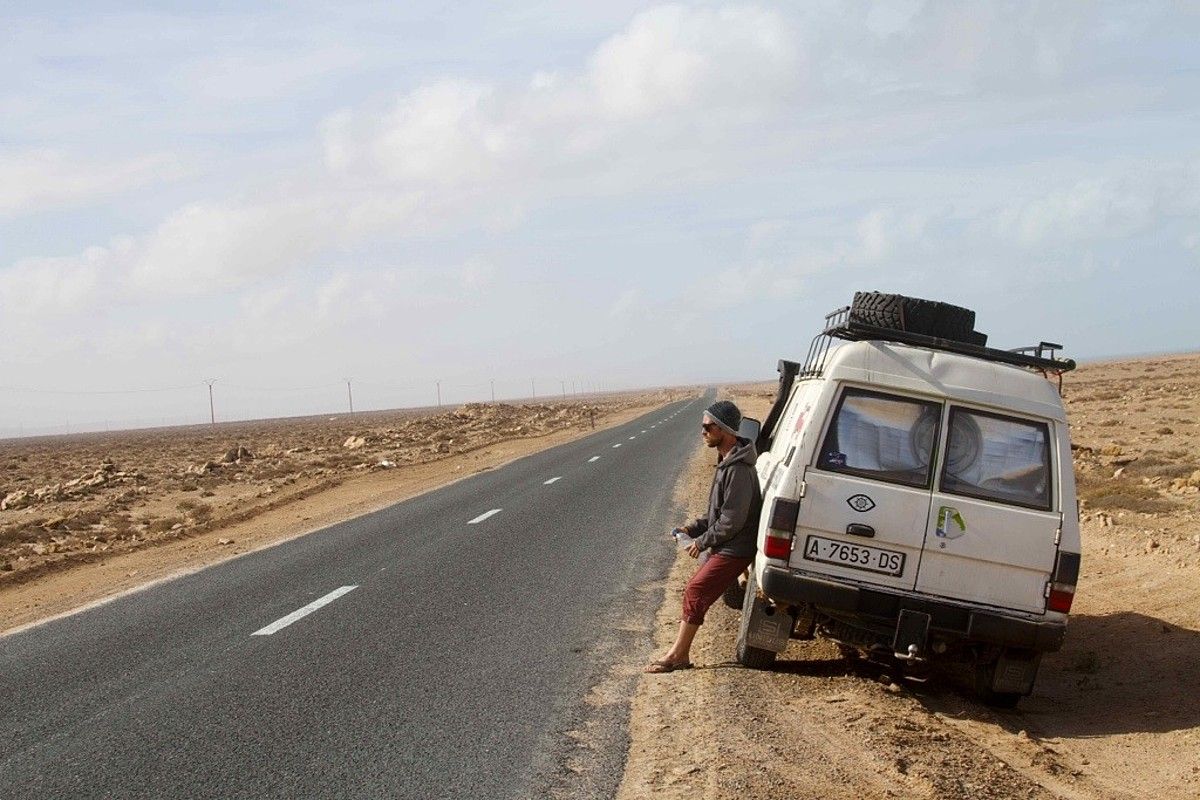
<point x="950" y="523"/>
<point x="860" y="502"/>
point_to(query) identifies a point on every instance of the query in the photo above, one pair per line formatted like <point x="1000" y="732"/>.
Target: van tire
<point x="984" y="673"/>
<point x="912" y="314"/>
<point x="747" y="656"/>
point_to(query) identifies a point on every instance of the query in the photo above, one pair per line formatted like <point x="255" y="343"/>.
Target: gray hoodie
<point x="730" y="527"/>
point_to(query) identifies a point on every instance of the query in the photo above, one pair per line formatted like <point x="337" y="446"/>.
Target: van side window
<point x="882" y="436"/>
<point x="992" y="457"/>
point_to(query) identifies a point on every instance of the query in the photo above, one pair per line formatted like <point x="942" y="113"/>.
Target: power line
<point x="279" y="388"/>
<point x="96" y="391"/>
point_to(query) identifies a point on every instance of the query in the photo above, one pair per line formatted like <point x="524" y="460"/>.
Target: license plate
<point x="855" y="556"/>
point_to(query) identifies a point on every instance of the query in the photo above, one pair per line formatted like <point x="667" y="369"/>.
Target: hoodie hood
<point x="743" y="451"/>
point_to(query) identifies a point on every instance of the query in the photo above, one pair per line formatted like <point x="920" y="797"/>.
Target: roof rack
<point x="838" y="325"/>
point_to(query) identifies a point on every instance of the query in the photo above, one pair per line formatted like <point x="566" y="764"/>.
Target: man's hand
<point x="693" y="550"/>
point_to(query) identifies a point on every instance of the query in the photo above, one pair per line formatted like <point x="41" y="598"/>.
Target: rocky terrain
<point x="72" y="500"/>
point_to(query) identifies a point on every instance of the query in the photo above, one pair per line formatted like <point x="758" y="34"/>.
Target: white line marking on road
<point x="615" y="446"/>
<point x="643" y="431"/>
<point x="552" y="480"/>
<point x="593" y="458"/>
<point x="300" y="613"/>
<point x="485" y="515"/>
<point x="631" y="438"/>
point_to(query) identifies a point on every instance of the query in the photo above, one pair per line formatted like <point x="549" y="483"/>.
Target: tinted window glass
<point x="997" y="458"/>
<point x="880" y="436"/>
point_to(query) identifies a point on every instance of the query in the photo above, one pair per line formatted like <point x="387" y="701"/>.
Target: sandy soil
<point x="88" y="517"/>
<point x="1114" y="714"/>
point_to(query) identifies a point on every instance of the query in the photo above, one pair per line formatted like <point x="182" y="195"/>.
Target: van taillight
<point x="1062" y="587"/>
<point x="781" y="526"/>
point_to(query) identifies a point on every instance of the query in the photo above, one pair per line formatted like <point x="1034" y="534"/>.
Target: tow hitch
<point x="912" y="633"/>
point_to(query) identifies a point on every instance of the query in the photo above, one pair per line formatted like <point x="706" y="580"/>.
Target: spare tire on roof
<point x="912" y="314"/>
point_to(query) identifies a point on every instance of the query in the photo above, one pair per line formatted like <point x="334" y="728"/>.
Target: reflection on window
<point x="880" y="436"/>
<point x="998" y="458"/>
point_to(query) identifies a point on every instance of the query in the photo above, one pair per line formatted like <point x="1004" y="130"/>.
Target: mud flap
<point x="769" y="627"/>
<point x="912" y="633"/>
<point x="1016" y="671"/>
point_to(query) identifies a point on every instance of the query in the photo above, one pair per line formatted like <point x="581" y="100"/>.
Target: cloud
<point x="53" y="287"/>
<point x="39" y="180"/>
<point x="476" y="275"/>
<point x="883" y="230"/>
<point x="206" y="248"/>
<point x="671" y="69"/>
<point x="1103" y="208"/>
<point x="631" y="304"/>
<point x="672" y="60"/>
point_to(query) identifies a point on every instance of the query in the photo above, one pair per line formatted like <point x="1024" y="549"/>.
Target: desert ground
<point x="1114" y="714"/>
<point x="85" y="517"/>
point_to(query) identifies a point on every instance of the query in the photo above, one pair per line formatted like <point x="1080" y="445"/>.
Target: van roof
<point x="944" y="374"/>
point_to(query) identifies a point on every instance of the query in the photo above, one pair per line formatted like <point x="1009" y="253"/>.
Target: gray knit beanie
<point x="726" y="415"/>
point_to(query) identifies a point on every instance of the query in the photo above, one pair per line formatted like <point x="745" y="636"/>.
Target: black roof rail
<point x="838" y="325"/>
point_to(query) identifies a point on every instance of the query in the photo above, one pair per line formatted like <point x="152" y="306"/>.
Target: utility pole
<point x="212" y="414"/>
<point x="349" y="394"/>
<point x="532" y="391"/>
<point x="439" y="391"/>
<point x="564" y="389"/>
<point x="493" y="391"/>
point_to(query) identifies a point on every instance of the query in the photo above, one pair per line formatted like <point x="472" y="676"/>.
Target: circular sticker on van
<point x="860" y="502"/>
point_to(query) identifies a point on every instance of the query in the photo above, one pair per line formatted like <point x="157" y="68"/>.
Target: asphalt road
<point x="456" y="666"/>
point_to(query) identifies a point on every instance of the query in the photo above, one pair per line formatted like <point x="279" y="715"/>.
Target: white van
<point x="918" y="498"/>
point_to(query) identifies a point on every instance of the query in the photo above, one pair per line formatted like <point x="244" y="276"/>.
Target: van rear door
<point x="867" y="493"/>
<point x="991" y="536"/>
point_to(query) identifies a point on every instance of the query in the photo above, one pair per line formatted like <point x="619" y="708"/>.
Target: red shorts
<point x="710" y="582"/>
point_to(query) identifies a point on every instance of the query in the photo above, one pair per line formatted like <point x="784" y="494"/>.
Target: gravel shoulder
<point x="1113" y="714"/>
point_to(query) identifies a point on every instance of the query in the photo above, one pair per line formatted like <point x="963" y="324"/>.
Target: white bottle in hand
<point x="683" y="540"/>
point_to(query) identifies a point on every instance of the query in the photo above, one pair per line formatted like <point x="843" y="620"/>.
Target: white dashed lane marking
<point x="485" y="515"/>
<point x="631" y="438"/>
<point x="593" y="458"/>
<point x="552" y="480"/>
<point x="615" y="446"/>
<point x="300" y="613"/>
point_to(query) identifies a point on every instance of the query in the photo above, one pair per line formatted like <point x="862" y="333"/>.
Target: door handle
<point x="857" y="529"/>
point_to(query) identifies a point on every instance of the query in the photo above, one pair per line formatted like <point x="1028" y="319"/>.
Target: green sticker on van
<point x="950" y="523"/>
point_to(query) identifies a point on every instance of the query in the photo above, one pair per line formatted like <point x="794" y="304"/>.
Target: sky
<point x="456" y="198"/>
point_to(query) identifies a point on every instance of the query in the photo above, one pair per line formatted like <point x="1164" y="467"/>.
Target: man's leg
<point x="709" y="582"/>
<point x="683" y="642"/>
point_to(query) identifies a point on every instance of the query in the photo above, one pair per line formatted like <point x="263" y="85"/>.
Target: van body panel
<point x="947" y="375"/>
<point x="1002" y="556"/>
<point x="898" y="515"/>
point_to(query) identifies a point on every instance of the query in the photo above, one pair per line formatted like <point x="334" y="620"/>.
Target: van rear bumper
<point x="785" y="586"/>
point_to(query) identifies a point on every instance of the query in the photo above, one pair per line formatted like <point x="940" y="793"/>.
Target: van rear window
<point x="992" y="457"/>
<point x="881" y="436"/>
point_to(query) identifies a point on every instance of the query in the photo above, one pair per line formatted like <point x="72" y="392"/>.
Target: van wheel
<point x="912" y="314"/>
<point x="735" y="595"/>
<point x="984" y="674"/>
<point x="747" y="656"/>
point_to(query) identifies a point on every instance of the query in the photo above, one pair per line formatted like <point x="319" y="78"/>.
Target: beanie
<point x="726" y="415"/>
